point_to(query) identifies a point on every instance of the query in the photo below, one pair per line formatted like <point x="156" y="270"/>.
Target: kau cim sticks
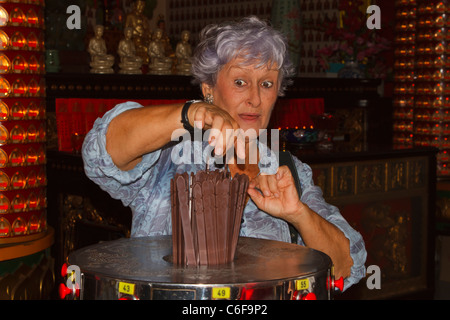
<point x="207" y="209"/>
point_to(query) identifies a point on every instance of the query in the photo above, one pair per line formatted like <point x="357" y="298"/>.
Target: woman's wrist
<point x="185" y="115"/>
<point x="299" y="215"/>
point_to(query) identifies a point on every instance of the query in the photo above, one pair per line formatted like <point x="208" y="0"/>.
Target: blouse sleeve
<point x="313" y="197"/>
<point x="99" y="167"/>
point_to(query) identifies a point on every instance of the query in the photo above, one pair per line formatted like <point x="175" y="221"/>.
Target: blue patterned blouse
<point x="146" y="190"/>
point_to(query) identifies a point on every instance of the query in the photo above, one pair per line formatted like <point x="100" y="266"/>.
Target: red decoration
<point x="22" y="121"/>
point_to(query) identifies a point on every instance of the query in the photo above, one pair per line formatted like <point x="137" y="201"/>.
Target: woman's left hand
<point x="276" y="194"/>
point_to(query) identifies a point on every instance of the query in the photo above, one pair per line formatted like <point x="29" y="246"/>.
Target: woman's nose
<point x="254" y="97"/>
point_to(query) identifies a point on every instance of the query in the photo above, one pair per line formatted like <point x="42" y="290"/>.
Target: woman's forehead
<point x="251" y="64"/>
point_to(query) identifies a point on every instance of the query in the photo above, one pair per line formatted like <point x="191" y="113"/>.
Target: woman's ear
<point x="206" y="89"/>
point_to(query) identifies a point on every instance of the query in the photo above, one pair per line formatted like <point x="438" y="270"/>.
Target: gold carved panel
<point x="397" y="175"/>
<point x="371" y="177"/>
<point x="322" y="176"/>
<point x="344" y="179"/>
<point x="386" y="200"/>
<point x="418" y="173"/>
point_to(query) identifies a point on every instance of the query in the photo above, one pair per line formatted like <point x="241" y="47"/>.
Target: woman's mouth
<point x="249" y="117"/>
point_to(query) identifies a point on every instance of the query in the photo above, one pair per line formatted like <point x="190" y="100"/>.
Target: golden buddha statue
<point x="183" y="53"/>
<point x="101" y="61"/>
<point x="140" y="25"/>
<point x="130" y="63"/>
<point x="161" y="24"/>
<point x="159" y="62"/>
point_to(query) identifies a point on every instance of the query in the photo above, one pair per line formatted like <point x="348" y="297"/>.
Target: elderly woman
<point x="242" y="68"/>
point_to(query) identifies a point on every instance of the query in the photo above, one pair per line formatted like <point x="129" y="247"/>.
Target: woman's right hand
<point x="224" y="130"/>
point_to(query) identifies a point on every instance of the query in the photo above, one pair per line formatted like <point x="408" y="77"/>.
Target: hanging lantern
<point x="432" y="85"/>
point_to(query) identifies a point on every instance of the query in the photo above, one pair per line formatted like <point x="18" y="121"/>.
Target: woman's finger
<point x="284" y="177"/>
<point x="273" y="185"/>
<point x="263" y="182"/>
<point x="239" y="141"/>
<point x="198" y="114"/>
<point x="221" y="125"/>
<point x="217" y="134"/>
<point x="256" y="195"/>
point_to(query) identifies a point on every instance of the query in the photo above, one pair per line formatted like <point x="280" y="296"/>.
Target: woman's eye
<point x="267" y="84"/>
<point x="239" y="82"/>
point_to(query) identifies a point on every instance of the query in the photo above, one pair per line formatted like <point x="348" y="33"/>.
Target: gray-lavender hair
<point x="250" y="38"/>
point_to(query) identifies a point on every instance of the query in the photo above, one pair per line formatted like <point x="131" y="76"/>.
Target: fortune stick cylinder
<point x="207" y="209"/>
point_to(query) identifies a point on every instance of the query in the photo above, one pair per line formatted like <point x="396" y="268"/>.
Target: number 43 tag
<point x="126" y="288"/>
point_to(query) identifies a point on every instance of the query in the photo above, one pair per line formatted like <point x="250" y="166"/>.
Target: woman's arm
<point x="139" y="131"/>
<point x="319" y="234"/>
<point x="279" y="198"/>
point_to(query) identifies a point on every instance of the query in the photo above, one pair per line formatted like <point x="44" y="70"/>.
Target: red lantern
<point x="22" y="120"/>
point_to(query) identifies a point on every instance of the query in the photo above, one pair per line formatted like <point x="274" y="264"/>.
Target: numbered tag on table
<point x="126" y="288"/>
<point x="302" y="284"/>
<point x="221" y="293"/>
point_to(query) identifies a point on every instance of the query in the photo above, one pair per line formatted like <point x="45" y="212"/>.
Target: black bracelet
<point x="184" y="116"/>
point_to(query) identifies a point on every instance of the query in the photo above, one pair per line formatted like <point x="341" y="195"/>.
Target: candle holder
<point x="422" y="78"/>
<point x="23" y="214"/>
<point x="326" y="125"/>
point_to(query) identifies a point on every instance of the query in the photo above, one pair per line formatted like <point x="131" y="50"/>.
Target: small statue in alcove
<point x="130" y="63"/>
<point x="184" y="53"/>
<point x="159" y="62"/>
<point x="101" y="61"/>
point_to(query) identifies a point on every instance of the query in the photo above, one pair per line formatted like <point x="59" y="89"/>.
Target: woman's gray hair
<point x="251" y="39"/>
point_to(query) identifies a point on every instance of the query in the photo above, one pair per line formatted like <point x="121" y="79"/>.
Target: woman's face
<point x="247" y="93"/>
